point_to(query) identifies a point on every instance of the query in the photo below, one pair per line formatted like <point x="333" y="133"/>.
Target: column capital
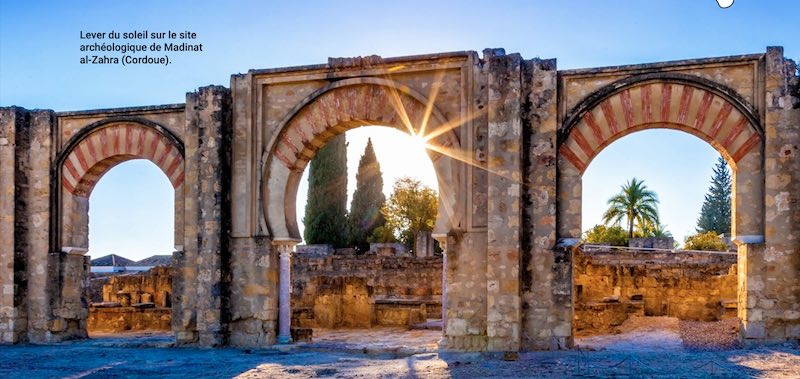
<point x="285" y="247"/>
<point x="283" y="242"/>
<point x="72" y="250"/>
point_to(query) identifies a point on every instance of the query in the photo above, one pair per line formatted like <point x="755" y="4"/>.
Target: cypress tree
<point x="368" y="199"/>
<point x="325" y="219"/>
<point x="716" y="212"/>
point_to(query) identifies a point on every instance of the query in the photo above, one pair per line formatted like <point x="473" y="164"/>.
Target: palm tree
<point x="636" y="204"/>
<point x="655" y="230"/>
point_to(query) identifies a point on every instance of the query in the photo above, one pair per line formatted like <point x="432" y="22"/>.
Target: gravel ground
<point x="638" y="334"/>
<point x="135" y="357"/>
<point x="719" y="335"/>
<point x="86" y="361"/>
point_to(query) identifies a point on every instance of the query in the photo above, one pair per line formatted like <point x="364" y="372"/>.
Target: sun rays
<point x="432" y="124"/>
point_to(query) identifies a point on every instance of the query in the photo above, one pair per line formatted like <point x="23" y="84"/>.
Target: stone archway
<point x="95" y="151"/>
<point x="91" y="153"/>
<point x="677" y="102"/>
<point x="334" y="110"/>
<point x="331" y="111"/>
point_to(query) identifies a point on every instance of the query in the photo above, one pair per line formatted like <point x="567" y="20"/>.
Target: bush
<point x="611" y="235"/>
<point x="709" y="241"/>
<point x="382" y="234"/>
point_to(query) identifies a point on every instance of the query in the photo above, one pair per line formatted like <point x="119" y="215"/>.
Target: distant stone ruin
<point x="612" y="285"/>
<point x="132" y="302"/>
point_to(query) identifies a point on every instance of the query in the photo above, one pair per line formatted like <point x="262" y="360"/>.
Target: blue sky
<point x="39" y="66"/>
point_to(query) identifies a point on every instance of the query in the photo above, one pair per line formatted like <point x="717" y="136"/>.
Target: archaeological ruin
<point x="510" y="139"/>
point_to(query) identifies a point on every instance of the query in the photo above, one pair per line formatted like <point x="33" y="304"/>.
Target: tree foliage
<point x="715" y="215"/>
<point x="709" y="241"/>
<point x="653" y="230"/>
<point x="368" y="199"/>
<point x="636" y="204"/>
<point x="411" y="209"/>
<point x="382" y="234"/>
<point x="611" y="235"/>
<point x="326" y="210"/>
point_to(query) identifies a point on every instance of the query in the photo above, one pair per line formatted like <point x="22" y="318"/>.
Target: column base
<point x="284" y="340"/>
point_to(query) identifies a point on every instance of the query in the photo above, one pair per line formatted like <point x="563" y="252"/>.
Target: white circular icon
<point x="725" y="3"/>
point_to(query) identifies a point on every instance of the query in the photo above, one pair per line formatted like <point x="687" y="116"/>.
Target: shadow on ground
<point x="106" y="357"/>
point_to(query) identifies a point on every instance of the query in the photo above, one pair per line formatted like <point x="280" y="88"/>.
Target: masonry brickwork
<point x="510" y="140"/>
<point x="136" y="302"/>
<point x="611" y="285"/>
<point x="351" y="290"/>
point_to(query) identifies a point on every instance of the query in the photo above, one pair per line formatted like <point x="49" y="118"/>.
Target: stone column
<point x="285" y="294"/>
<point x="442" y="239"/>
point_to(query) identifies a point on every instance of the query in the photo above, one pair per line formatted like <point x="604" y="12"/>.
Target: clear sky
<point x="39" y="68"/>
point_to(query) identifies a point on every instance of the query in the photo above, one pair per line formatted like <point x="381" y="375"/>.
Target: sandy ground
<point x="651" y="334"/>
<point x="398" y="341"/>
<point x="132" y="357"/>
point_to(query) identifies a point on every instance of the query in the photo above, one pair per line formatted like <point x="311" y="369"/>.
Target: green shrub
<point x="601" y="234"/>
<point x="709" y="241"/>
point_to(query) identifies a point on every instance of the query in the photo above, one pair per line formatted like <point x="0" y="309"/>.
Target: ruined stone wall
<point x="125" y="319"/>
<point x="609" y="285"/>
<point x="364" y="290"/>
<point x="153" y="286"/>
<point x="132" y="302"/>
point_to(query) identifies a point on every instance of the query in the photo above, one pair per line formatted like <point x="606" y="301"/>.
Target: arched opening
<point x="131" y="240"/>
<point x="682" y="104"/>
<point x="329" y="112"/>
<point x="651" y="291"/>
<point x="389" y="291"/>
<point x="122" y="293"/>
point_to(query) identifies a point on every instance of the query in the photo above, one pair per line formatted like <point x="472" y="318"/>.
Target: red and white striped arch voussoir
<point x="669" y="105"/>
<point x="108" y="146"/>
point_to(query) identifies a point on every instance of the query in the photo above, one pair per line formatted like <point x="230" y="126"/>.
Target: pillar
<point x="202" y="281"/>
<point x="546" y="269"/>
<point x="12" y="315"/>
<point x="769" y="278"/>
<point x="505" y="181"/>
<point x="442" y="239"/>
<point x="285" y="292"/>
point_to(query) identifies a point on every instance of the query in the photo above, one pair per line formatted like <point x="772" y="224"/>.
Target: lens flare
<point x="429" y="128"/>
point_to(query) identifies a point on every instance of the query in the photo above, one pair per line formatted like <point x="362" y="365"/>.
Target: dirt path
<point x="651" y="334"/>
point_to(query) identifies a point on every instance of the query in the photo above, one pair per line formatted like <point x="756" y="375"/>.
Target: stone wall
<point x="610" y="285"/>
<point x="361" y="291"/>
<point x="153" y="286"/>
<point x="131" y="302"/>
<point x="125" y="319"/>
